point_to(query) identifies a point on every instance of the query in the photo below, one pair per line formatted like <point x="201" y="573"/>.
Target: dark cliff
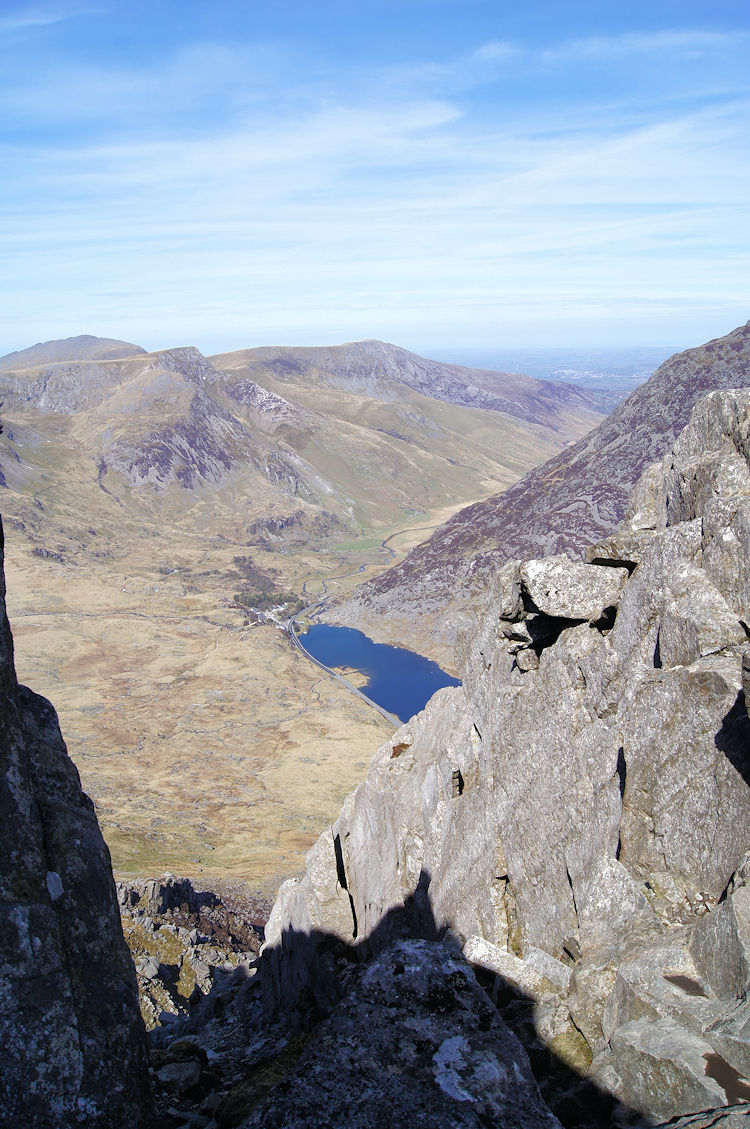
<point x="74" y="1050"/>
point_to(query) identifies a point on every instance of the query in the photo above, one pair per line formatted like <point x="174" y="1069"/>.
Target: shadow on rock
<point x="397" y="1029"/>
<point x="733" y="739"/>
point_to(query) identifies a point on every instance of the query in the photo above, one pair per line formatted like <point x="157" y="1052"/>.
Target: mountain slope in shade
<point x="573" y="500"/>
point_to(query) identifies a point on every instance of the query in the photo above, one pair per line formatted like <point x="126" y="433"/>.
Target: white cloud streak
<point x="24" y="19"/>
<point x="331" y="214"/>
<point x="681" y="43"/>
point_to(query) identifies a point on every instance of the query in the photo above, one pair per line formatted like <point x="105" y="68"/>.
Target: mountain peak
<point x="81" y="348"/>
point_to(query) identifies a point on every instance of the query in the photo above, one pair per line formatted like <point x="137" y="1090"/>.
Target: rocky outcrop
<point x="74" y="1049"/>
<point x="577" y="815"/>
<point x="183" y="942"/>
<point x="416" y="1042"/>
<point x="577" y="497"/>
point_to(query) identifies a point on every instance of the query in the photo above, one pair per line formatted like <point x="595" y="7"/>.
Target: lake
<point x="400" y="681"/>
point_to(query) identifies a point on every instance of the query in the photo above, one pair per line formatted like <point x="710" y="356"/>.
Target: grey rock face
<point x="664" y="1067"/>
<point x="731" y="1117"/>
<point x="416" y="1043"/>
<point x="73" y="1042"/>
<point x="585" y="794"/>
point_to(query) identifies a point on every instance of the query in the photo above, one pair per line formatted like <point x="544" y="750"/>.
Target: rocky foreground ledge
<point x="73" y="1046"/>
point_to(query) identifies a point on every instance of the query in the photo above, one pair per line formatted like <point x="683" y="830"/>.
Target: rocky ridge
<point x="576" y="818"/>
<point x="575" y="498"/>
<point x="157" y="418"/>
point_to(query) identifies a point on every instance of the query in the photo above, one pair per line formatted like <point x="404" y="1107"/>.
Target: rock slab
<point x="584" y="795"/>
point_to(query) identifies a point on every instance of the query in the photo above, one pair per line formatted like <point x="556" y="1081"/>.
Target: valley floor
<point x="208" y="744"/>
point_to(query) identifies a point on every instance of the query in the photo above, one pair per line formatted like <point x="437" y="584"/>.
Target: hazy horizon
<point x="618" y="366"/>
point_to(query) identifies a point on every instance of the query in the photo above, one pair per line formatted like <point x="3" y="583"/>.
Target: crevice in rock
<point x="545" y="630"/>
<point x="341" y="876"/>
<point x="615" y="562"/>
<point x="622" y="770"/>
<point x="657" y="655"/>
<point x="733" y="738"/>
<point x="622" y="773"/>
<point x="572" y="894"/>
<point x="572" y="948"/>
<point x="606" y="620"/>
<point x="457" y="783"/>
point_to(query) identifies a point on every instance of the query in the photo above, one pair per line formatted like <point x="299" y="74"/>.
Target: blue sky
<point x="436" y="173"/>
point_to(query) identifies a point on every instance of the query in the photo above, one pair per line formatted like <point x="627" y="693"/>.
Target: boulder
<point x="569" y="589"/>
<point x="720" y="945"/>
<point x="696" y="620"/>
<point x="730" y="1038"/>
<point x="538" y="976"/>
<point x="660" y="983"/>
<point x="662" y="1069"/>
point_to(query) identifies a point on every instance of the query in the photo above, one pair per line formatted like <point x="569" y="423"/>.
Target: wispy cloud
<point x="682" y="43"/>
<point x="496" y="50"/>
<point x="23" y="19"/>
<point x="228" y="185"/>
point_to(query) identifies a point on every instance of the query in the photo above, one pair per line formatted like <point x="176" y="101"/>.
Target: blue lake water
<point x="400" y="681"/>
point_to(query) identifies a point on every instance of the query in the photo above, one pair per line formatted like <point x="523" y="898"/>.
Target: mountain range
<point x="360" y="434"/>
